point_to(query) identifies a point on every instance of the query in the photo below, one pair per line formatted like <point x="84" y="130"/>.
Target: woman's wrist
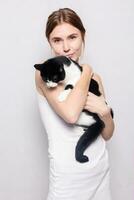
<point x="105" y="112"/>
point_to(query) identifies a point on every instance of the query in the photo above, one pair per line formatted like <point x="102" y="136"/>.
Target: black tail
<point x="86" y="139"/>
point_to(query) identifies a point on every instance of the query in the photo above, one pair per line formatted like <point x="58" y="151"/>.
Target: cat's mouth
<point x="51" y="84"/>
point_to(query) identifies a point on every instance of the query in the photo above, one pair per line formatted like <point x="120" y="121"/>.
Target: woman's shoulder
<point x="95" y="76"/>
<point x="98" y="78"/>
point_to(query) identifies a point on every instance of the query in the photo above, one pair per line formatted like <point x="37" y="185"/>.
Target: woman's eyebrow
<point x="73" y="34"/>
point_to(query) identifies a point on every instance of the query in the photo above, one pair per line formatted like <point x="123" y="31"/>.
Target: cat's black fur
<point x="56" y="70"/>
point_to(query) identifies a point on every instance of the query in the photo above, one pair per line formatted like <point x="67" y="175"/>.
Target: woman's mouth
<point x="70" y="55"/>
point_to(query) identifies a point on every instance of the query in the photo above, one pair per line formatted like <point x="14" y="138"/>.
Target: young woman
<point x="70" y="179"/>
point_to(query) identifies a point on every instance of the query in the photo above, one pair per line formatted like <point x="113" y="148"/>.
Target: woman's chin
<point x="75" y="58"/>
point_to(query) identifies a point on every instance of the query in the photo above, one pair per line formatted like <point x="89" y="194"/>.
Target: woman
<point x="69" y="179"/>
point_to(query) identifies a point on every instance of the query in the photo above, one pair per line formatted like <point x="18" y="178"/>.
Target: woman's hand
<point x="96" y="104"/>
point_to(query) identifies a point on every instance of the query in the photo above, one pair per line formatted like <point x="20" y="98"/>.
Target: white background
<point x="109" y="50"/>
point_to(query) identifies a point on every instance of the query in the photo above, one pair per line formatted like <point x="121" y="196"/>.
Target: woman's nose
<point x="66" y="47"/>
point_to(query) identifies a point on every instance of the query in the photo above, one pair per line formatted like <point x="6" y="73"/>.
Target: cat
<point x="63" y="69"/>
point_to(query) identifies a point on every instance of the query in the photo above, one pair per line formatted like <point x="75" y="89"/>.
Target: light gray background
<point x="109" y="49"/>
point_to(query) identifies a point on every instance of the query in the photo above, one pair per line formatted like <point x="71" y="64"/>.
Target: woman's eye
<point x="56" y="41"/>
<point x="73" y="37"/>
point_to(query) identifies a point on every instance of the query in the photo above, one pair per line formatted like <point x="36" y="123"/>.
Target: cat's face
<point x="52" y="71"/>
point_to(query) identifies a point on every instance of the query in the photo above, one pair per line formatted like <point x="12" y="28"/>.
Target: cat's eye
<point x="55" y="78"/>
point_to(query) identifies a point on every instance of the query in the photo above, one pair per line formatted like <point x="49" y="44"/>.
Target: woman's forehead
<point x="64" y="30"/>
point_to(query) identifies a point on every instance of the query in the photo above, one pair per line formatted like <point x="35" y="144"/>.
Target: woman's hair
<point x="64" y="15"/>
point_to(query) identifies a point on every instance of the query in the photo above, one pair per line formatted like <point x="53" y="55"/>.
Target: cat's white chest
<point x="72" y="76"/>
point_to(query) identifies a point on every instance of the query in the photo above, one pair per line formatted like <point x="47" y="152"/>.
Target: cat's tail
<point x="89" y="136"/>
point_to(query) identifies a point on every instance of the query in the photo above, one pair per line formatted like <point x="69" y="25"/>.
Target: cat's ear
<point x="38" y="66"/>
<point x="64" y="60"/>
<point x="67" y="61"/>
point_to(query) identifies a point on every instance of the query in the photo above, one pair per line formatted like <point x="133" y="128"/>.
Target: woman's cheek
<point x="78" y="52"/>
<point x="57" y="50"/>
<point x="77" y="46"/>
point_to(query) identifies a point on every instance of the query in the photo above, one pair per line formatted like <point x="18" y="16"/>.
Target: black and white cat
<point x="63" y="69"/>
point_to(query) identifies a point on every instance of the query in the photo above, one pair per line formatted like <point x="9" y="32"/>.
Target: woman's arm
<point x="70" y="108"/>
<point x="97" y="104"/>
<point x="77" y="97"/>
<point x="107" y="132"/>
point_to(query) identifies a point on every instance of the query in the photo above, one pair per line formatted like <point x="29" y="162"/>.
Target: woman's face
<point x="66" y="40"/>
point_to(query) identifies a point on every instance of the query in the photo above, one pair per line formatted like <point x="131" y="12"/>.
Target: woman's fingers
<point x="90" y="94"/>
